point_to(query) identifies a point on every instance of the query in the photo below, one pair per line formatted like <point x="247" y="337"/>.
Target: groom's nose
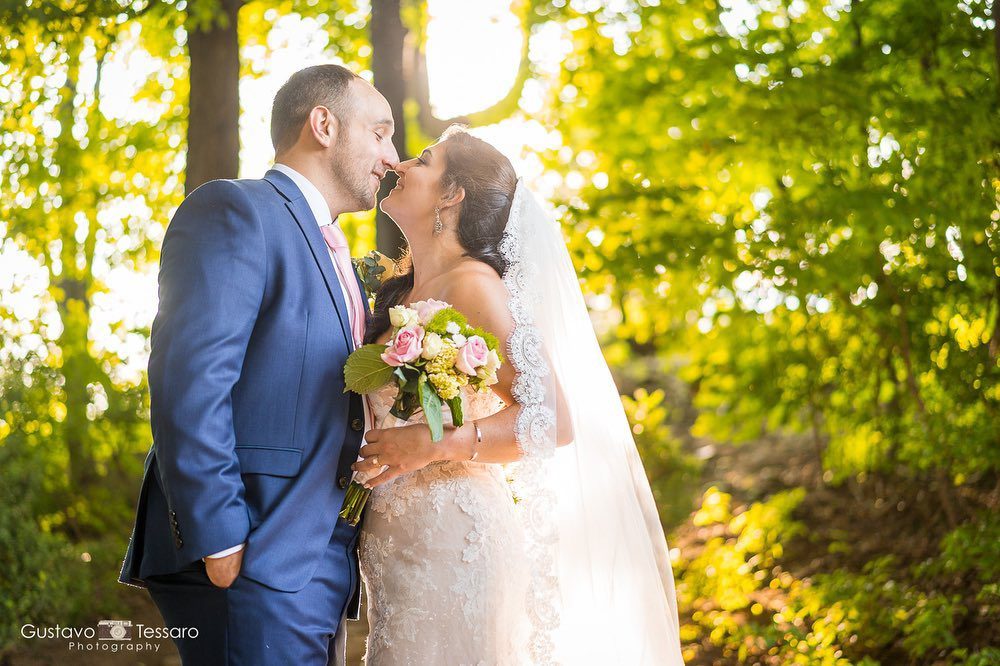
<point x="391" y="158"/>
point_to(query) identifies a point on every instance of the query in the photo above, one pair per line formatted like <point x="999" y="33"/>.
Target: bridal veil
<point x="601" y="588"/>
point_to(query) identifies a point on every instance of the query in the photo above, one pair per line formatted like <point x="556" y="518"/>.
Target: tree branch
<point x="420" y="87"/>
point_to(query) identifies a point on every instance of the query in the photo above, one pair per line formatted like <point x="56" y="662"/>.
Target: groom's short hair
<point x="320" y="85"/>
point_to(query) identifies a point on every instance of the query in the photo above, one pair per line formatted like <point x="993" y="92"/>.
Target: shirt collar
<point x="317" y="204"/>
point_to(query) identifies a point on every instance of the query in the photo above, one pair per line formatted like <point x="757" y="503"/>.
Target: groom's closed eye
<point x="384" y="129"/>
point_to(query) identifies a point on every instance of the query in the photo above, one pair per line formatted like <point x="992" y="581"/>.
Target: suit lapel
<point x="300" y="212"/>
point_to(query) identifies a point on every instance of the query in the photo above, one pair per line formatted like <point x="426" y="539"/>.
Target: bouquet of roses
<point x="433" y="353"/>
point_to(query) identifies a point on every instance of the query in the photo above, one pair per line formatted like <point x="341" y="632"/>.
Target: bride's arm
<point x="499" y="444"/>
<point x="482" y="298"/>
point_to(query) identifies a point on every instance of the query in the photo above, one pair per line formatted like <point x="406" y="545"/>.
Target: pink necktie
<point x="337" y="242"/>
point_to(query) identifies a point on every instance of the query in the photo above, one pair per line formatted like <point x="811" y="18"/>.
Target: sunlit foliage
<point x="802" y="197"/>
<point x="785" y="214"/>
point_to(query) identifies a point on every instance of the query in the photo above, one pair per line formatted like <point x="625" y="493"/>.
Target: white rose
<point x="453" y="328"/>
<point x="458" y="339"/>
<point x="401" y="316"/>
<point x="492" y="361"/>
<point x="433" y="344"/>
<point x="489" y="377"/>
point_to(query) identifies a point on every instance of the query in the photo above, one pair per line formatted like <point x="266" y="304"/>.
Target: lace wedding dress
<point x="442" y="556"/>
<point x="577" y="570"/>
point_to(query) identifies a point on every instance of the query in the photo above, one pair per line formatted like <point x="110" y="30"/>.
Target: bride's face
<point x="418" y="192"/>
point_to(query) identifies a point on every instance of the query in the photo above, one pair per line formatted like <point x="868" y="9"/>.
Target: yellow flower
<point x="444" y="360"/>
<point x="446" y="385"/>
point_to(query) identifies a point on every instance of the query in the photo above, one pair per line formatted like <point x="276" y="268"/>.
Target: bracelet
<point x="479" y="440"/>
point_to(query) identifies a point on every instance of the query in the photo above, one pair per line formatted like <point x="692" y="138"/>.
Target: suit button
<point x="342" y="482"/>
<point x="357" y="424"/>
<point x="179" y="542"/>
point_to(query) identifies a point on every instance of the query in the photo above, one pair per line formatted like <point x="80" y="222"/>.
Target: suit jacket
<point x="253" y="435"/>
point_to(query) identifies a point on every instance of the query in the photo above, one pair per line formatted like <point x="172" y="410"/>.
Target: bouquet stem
<point x="354" y="503"/>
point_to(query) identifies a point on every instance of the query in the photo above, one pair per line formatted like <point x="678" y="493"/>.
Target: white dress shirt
<point x="321" y="212"/>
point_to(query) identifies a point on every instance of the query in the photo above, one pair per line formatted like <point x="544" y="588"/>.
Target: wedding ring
<point x="375" y="461"/>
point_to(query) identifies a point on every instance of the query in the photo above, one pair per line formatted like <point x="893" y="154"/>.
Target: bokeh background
<point x="785" y="218"/>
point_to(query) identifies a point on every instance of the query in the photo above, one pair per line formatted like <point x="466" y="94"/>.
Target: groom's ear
<point x="323" y="125"/>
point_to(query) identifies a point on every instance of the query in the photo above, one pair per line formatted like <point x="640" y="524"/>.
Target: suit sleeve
<point x="213" y="271"/>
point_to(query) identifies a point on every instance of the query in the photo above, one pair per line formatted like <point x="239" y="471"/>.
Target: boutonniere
<point x="374" y="268"/>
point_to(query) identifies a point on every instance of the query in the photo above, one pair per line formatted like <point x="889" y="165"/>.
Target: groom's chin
<point x="365" y="202"/>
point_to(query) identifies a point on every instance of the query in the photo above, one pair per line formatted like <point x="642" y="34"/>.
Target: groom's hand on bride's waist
<point x="222" y="571"/>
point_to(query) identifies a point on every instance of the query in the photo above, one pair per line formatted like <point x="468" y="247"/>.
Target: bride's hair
<point x="489" y="181"/>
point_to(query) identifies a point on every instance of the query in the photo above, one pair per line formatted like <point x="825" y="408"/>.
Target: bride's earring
<point x="438" y="226"/>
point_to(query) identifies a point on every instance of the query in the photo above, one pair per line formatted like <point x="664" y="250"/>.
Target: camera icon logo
<point x="114" y="630"/>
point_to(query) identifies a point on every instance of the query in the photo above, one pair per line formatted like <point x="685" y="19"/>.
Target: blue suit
<point x="253" y="435"/>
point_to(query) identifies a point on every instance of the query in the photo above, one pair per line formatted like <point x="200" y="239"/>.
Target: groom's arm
<point x="211" y="283"/>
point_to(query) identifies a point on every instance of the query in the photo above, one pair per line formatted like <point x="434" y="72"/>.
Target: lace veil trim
<point x="534" y="433"/>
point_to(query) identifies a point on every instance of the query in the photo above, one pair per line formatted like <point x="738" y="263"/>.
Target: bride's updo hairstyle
<point x="489" y="181"/>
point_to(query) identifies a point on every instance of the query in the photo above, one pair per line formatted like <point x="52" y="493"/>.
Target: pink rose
<point x="427" y="309"/>
<point x="472" y="355"/>
<point x="405" y="347"/>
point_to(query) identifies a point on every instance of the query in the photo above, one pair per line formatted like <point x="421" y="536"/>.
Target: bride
<point x="529" y="534"/>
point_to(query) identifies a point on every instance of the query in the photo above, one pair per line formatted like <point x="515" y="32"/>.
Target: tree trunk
<point x="388" y="35"/>
<point x="994" y="348"/>
<point x="70" y="290"/>
<point x="213" y="137"/>
<point x="996" y="41"/>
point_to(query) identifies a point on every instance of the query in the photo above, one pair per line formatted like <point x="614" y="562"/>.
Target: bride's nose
<point x="403" y="167"/>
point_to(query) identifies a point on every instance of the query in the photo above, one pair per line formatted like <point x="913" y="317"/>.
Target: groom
<point x="236" y="534"/>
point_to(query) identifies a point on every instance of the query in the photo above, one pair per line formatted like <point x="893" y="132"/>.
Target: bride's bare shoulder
<point x="477" y="291"/>
<point x="475" y="276"/>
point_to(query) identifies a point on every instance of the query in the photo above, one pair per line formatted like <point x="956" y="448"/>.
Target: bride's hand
<point x="399" y="450"/>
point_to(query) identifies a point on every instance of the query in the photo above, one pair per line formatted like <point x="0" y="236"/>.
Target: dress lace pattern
<point x="442" y="555"/>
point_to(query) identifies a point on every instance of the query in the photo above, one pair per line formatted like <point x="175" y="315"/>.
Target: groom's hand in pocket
<point x="222" y="571"/>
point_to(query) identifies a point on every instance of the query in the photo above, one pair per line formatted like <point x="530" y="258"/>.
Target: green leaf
<point x="406" y="376"/>
<point x="457" y="417"/>
<point x="365" y="371"/>
<point x="430" y="401"/>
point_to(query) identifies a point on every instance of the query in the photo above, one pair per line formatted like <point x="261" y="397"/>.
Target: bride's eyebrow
<point x="426" y="153"/>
